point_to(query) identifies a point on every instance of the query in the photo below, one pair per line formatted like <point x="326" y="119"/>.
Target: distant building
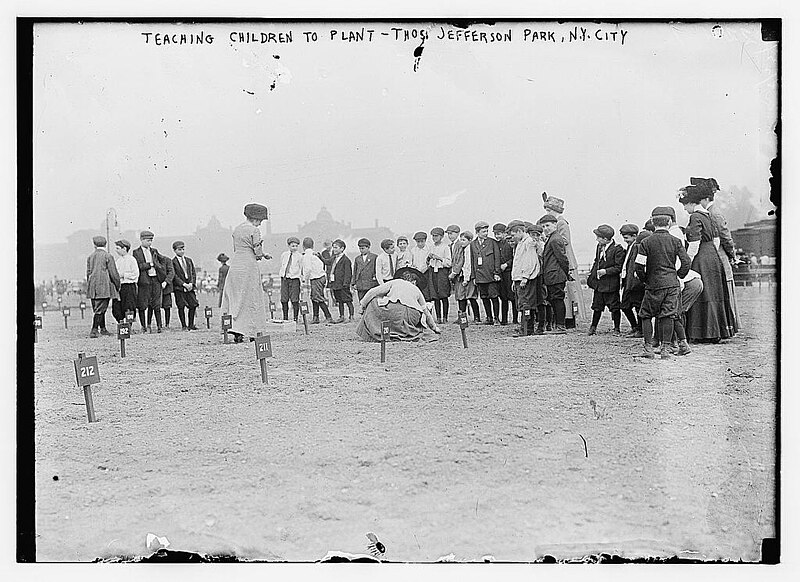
<point x="68" y="260"/>
<point x="757" y="238"/>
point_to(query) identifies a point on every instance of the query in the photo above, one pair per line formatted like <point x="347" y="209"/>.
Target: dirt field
<point x="441" y="450"/>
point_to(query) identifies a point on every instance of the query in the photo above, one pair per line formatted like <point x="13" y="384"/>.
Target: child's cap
<point x="515" y="224"/>
<point x="364" y="242"/>
<point x="467" y="234"/>
<point x="178" y="244"/>
<point x="340" y="243"/>
<point x="420" y="236"/>
<point x="604" y="231"/>
<point x="629" y="229"/>
<point x="481" y="224"/>
<point x="437" y="231"/>
<point x="664" y="211"/>
<point x="146" y="234"/>
<point x="386" y="243"/>
<point x="547" y="218"/>
<point x="642" y="235"/>
<point x="292" y="239"/>
<point x="222" y="257"/>
<point x="123" y="244"/>
<point x="534" y="228"/>
<point x="499" y="227"/>
<point x="453" y="228"/>
<point x="99" y="241"/>
<point x="402" y="237"/>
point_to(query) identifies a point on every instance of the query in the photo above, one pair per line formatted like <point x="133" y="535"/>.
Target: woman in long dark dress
<point x="709" y="318"/>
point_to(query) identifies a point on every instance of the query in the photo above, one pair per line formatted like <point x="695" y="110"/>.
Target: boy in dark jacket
<point x="486" y="267"/>
<point x="340" y="278"/>
<point x="506" y="291"/>
<point x="103" y="283"/>
<point x="655" y="265"/>
<point x="632" y="288"/>
<point x="555" y="270"/>
<point x="185" y="283"/>
<point x="364" y="277"/>
<point x="152" y="279"/>
<point x="609" y="259"/>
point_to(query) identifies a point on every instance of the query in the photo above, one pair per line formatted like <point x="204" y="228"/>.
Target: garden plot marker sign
<point x="123" y="333"/>
<point x="304" y="313"/>
<point x="384" y="338"/>
<point x="227" y="322"/>
<point x="209" y="313"/>
<point x="65" y="312"/>
<point x="263" y="351"/>
<point x="37" y="325"/>
<point x="82" y="307"/>
<point x="463" y="324"/>
<point x="87" y="372"/>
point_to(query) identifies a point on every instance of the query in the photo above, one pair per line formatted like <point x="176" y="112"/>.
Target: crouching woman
<point x="401" y="303"/>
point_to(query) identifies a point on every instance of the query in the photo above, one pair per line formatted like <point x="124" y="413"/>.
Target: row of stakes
<point x="87" y="370"/>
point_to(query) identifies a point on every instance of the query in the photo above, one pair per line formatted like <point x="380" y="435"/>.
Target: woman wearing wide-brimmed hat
<point x="711" y="317"/>
<point x="242" y="295"/>
<point x="401" y="303"/>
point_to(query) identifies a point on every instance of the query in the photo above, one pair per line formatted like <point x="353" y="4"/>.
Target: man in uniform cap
<point x="102" y="281"/>
<point x="486" y="267"/>
<point x="505" y="289"/>
<point x="152" y="280"/>
<point x="609" y="259"/>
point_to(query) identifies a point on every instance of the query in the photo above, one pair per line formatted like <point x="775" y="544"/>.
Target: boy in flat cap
<point x="340" y="278"/>
<point x="486" y="266"/>
<point x="453" y="231"/>
<point x="185" y="285"/>
<point x="364" y="277"/>
<point x="656" y="266"/>
<point x="222" y="275"/>
<point x="525" y="273"/>
<point x="462" y="276"/>
<point x="312" y="272"/>
<point x="555" y="270"/>
<point x="506" y="264"/>
<point x="152" y="280"/>
<point x="290" y="277"/>
<point x="128" y="272"/>
<point x="609" y="259"/>
<point x="102" y="281"/>
<point x="632" y="288"/>
<point x="402" y="254"/>
<point x="440" y="260"/>
<point x="419" y="260"/>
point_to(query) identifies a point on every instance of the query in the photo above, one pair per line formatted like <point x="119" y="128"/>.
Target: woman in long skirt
<point x="243" y="295"/>
<point x="399" y="302"/>
<point x="710" y="317"/>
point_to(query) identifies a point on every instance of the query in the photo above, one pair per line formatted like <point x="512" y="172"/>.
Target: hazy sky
<point x="169" y="135"/>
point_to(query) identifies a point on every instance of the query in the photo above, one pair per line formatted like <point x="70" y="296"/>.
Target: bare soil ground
<point x="440" y="450"/>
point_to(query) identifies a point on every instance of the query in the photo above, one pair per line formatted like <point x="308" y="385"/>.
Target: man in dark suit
<point x="152" y="280"/>
<point x="555" y="269"/>
<point x="364" y="277"/>
<point x="485" y="253"/>
<point x="604" y="277"/>
<point x="185" y="284"/>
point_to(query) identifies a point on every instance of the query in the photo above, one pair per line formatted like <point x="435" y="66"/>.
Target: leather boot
<point x="592" y="330"/>
<point x="683" y="348"/>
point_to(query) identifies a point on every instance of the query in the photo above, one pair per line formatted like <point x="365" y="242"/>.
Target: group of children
<point x="143" y="280"/>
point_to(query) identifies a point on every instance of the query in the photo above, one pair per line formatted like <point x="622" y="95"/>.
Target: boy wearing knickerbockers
<point x="152" y="280"/>
<point x="339" y="280"/>
<point x="185" y="283"/>
<point x="440" y="260"/>
<point x="486" y="267"/>
<point x="604" y="277"/>
<point x="632" y="288"/>
<point x="506" y="264"/>
<point x="555" y="270"/>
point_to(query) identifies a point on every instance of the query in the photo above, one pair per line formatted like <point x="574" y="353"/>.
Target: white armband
<point x="641" y="259"/>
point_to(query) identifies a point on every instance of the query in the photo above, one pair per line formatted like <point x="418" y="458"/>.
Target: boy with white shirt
<point x="386" y="263"/>
<point x="128" y="271"/>
<point x="290" y="277"/>
<point x="525" y="270"/>
<point x="439" y="262"/>
<point x="402" y="254"/>
<point x="312" y="272"/>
